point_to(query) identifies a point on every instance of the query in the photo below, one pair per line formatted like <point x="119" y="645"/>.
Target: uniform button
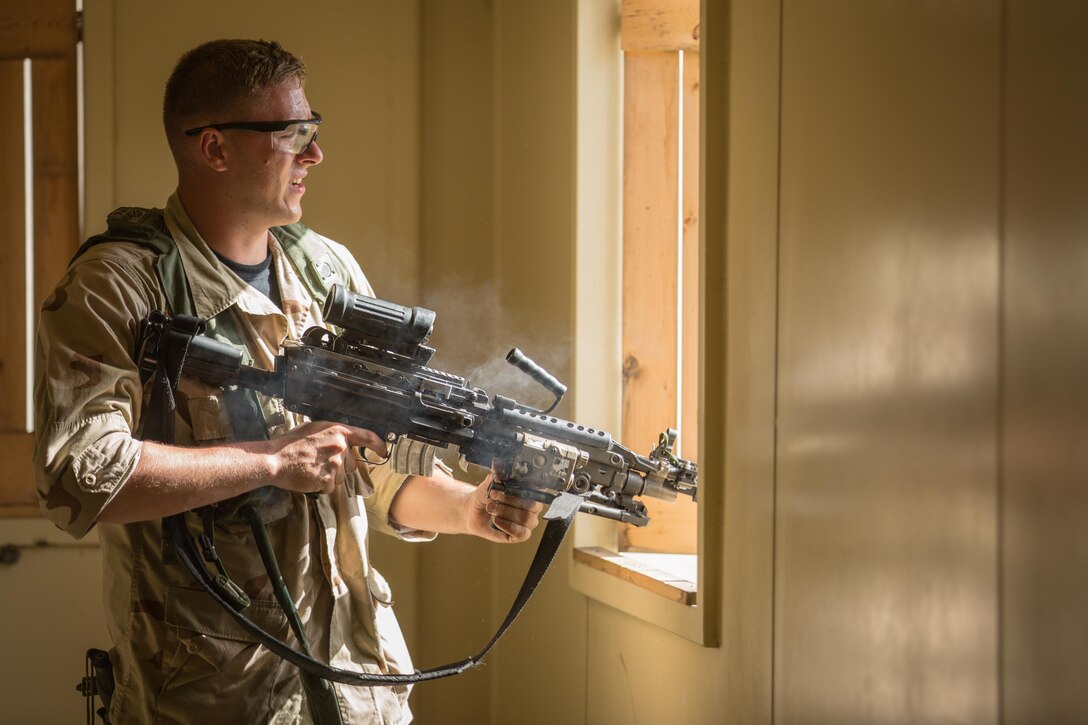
<point x="193" y="647"/>
<point x="89" y="479"/>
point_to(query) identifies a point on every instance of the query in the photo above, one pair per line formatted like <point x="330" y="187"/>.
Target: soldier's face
<point x="270" y="184"/>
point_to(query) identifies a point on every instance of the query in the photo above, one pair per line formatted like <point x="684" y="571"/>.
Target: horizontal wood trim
<point x="38" y="29"/>
<point x="659" y="25"/>
<point x="641" y="575"/>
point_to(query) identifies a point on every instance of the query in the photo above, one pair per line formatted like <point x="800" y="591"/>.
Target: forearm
<point x="435" y="503"/>
<point x="172" y="479"/>
<point x="313" y="458"/>
<point x="445" y="505"/>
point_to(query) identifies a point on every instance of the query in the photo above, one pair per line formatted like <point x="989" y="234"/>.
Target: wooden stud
<point x="659" y="25"/>
<point x="690" y="290"/>
<point x="56" y="173"/>
<point x="650" y="293"/>
<point x="13" y="352"/>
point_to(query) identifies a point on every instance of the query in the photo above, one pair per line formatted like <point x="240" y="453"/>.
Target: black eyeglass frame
<point x="266" y="126"/>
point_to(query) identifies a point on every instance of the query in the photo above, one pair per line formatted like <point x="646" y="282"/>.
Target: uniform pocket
<point x="210" y="419"/>
<point x="209" y="643"/>
<point x="394" y="648"/>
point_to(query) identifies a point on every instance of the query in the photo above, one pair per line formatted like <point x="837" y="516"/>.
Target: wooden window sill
<point x="636" y="570"/>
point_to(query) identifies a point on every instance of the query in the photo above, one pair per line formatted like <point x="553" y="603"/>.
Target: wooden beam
<point x="13" y="352"/>
<point x="689" y="289"/>
<point x="659" y="25"/>
<point x="56" y="173"/>
<point x="38" y="29"/>
<point x="650" y="267"/>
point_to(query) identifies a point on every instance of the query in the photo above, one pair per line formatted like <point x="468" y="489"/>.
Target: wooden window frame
<point x="653" y="31"/>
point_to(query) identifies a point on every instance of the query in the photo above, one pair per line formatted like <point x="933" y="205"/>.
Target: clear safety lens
<point x="296" y="138"/>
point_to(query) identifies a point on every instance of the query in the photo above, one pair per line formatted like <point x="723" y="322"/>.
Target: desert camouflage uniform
<point x="177" y="656"/>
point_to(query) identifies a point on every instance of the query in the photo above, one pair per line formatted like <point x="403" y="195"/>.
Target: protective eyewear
<point x="292" y="137"/>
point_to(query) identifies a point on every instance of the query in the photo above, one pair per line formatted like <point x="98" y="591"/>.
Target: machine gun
<point x="373" y="375"/>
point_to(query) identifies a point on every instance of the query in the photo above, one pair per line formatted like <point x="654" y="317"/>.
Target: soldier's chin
<point x="291" y="214"/>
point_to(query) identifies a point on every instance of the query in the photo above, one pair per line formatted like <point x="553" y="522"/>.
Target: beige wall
<point x="897" y="228"/>
<point x="894" y="228"/>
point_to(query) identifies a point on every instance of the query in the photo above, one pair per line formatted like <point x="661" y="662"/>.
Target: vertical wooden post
<point x="651" y="186"/>
<point x="13" y="352"/>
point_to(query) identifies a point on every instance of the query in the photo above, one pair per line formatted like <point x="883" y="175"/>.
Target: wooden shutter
<point x="39" y="193"/>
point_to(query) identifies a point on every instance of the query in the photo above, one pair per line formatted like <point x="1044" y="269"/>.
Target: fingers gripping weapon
<point x="373" y="375"/>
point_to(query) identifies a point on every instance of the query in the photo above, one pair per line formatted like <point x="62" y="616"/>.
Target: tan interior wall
<point x="888" y="288"/>
<point x="497" y="247"/>
<point x="903" y="408"/>
<point x="1044" y="344"/>
<point x="898" y="219"/>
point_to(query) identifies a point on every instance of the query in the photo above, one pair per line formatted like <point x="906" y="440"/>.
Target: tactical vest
<point x="315" y="262"/>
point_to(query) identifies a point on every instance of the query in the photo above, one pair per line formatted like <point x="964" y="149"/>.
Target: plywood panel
<point x="456" y="254"/>
<point x="740" y="218"/>
<point x="533" y="247"/>
<point x="642" y="674"/>
<point x="1045" y="393"/>
<point x="13" y="352"/>
<point x="886" y="504"/>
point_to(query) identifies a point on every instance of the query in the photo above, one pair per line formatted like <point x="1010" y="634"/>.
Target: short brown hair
<point x="215" y="80"/>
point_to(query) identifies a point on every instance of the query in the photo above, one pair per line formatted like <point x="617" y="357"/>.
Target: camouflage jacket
<point x="177" y="656"/>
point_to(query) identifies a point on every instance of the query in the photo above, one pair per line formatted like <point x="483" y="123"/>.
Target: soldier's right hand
<point x="316" y="456"/>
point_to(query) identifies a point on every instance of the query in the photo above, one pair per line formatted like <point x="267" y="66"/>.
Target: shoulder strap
<point x="317" y="264"/>
<point x="147" y="227"/>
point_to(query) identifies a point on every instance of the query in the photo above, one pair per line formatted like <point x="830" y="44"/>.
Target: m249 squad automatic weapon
<point x="373" y="375"/>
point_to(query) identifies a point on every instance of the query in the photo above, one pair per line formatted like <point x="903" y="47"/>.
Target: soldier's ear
<point x="212" y="152"/>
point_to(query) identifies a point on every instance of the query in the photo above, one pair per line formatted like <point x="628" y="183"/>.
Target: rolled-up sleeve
<point x="87" y="389"/>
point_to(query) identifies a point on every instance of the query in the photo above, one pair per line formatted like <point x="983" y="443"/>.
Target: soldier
<point x="228" y="244"/>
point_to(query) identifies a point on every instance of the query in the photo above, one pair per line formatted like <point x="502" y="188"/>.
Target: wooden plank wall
<point x="46" y="33"/>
